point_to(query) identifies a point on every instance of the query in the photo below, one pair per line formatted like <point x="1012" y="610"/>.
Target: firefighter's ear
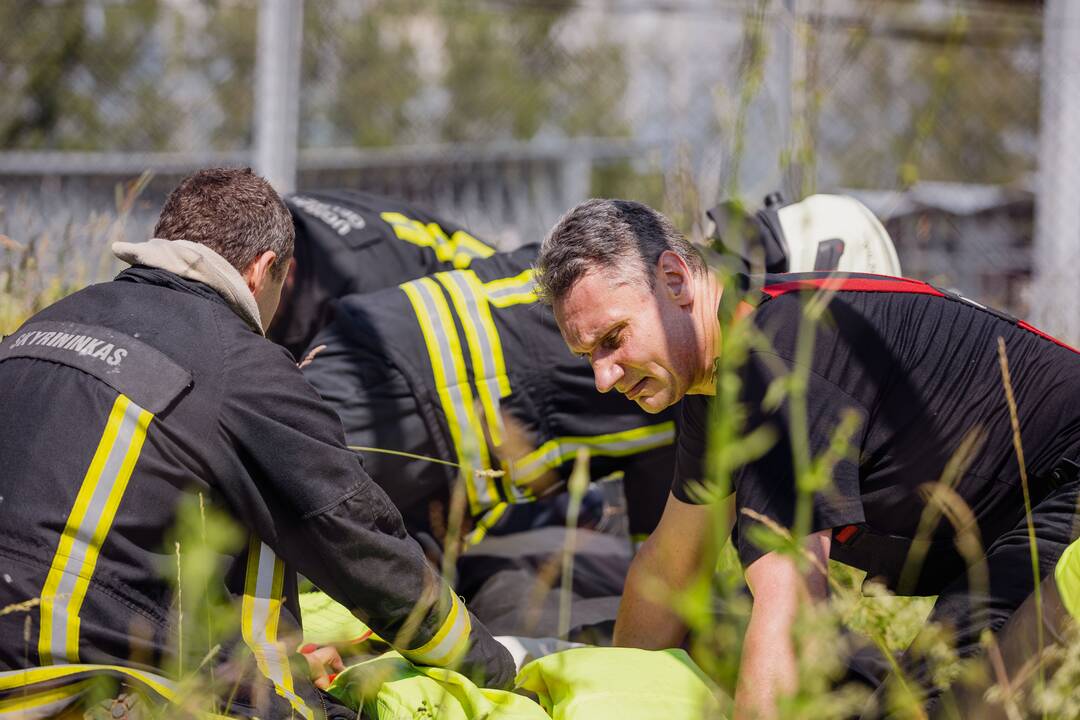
<point x="674" y="278"/>
<point x="265" y="284"/>
<point x="258" y="273"/>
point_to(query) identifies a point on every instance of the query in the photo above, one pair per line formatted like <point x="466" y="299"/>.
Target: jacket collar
<point x="194" y="261"/>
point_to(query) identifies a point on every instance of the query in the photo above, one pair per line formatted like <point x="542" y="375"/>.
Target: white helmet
<point x="822" y="232"/>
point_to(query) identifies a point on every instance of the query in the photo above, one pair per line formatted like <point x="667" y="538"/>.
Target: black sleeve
<point x="691" y="445"/>
<point x="309" y="499"/>
<point x="767" y="485"/>
<point x="646" y="484"/>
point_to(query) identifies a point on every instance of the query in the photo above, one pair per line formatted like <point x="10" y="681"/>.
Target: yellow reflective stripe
<point x="89" y="521"/>
<point x="452" y="385"/>
<point x="444" y="248"/>
<point x="467" y="247"/>
<point x="617" y="444"/>
<point x="409" y="230"/>
<point x="485" y="348"/>
<point x="485" y="523"/>
<point x="261" y="612"/>
<point x="460" y="248"/>
<point x="517" y="290"/>
<point x="16" y="679"/>
<point x="449" y="642"/>
<point x="47" y="703"/>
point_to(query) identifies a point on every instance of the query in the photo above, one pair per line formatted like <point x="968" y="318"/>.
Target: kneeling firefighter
<point x="134" y="397"/>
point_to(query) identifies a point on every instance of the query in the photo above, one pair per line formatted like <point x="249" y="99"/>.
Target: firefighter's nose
<point x="607" y="374"/>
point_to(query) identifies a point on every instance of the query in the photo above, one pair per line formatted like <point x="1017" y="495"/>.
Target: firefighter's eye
<point x="612" y="341"/>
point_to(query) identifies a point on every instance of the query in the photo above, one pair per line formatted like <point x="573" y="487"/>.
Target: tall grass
<point x="37" y="270"/>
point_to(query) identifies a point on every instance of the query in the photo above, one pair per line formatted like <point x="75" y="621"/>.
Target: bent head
<point x="624" y="285"/>
<point x="238" y="215"/>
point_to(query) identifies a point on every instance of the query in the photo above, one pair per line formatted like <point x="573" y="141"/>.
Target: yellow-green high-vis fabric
<point x="1067" y="577"/>
<point x="328" y="622"/>
<point x="389" y="687"/>
<point x="621" y="684"/>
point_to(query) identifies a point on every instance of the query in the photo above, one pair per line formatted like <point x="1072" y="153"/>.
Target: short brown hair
<point x="234" y="212"/>
<point x="620" y="234"/>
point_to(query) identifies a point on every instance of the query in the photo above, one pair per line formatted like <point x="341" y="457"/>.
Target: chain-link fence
<point x="500" y="114"/>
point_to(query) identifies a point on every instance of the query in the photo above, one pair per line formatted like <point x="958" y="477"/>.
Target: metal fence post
<point x="1056" y="290"/>
<point x="277" y="91"/>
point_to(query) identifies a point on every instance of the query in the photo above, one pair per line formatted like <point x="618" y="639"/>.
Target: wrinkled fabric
<point x="578" y="684"/>
<point x="621" y="684"/>
<point x="389" y="687"/>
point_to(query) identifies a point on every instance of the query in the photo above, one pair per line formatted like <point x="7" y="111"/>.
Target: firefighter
<point x="348" y="241"/>
<point x="135" y="395"/>
<point x="464" y="366"/>
<point x="913" y="375"/>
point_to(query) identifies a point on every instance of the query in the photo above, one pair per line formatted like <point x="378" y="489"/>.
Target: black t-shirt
<point x="920" y="370"/>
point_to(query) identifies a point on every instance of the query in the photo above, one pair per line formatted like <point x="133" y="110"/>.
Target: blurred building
<point x="975" y="239"/>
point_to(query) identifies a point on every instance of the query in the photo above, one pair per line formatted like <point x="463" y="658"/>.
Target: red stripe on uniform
<point x="882" y="284"/>
<point x="845" y="533"/>
<point x="1041" y="334"/>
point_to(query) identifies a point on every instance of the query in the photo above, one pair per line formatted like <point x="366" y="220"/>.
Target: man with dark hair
<point x="138" y="394"/>
<point x="911" y="375"/>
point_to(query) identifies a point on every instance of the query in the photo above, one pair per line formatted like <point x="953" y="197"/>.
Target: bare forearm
<point x="768" y="668"/>
<point x="643" y="622"/>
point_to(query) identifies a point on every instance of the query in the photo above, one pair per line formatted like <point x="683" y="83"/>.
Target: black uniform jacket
<point x="349" y="241"/>
<point x="496" y="386"/>
<point x="126" y="398"/>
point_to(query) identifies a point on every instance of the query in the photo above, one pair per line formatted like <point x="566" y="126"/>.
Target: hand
<point x="323" y="664"/>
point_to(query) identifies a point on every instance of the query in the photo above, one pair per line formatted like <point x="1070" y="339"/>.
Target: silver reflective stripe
<point x="65" y="592"/>
<point x="28" y="677"/>
<point x="453" y="382"/>
<point x="449" y="642"/>
<point x="504" y="291"/>
<point x="88" y="523"/>
<point x="261" y="614"/>
<point x="483" y="333"/>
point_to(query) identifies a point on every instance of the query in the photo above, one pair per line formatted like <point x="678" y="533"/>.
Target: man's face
<point x="639" y="340"/>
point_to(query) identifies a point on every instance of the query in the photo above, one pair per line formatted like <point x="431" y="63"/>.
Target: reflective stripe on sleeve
<point x="261" y="612"/>
<point x="88" y="523"/>
<point x="555" y="452"/>
<point x="452" y="384"/>
<point x="459" y="249"/>
<point x="485" y="522"/>
<point x="519" y="289"/>
<point x="467" y="248"/>
<point x="450" y="641"/>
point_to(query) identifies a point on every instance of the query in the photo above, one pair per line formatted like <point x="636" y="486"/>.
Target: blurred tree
<point x="83" y="75"/>
<point x="907" y="101"/>
<point x="360" y="75"/>
<point x="220" y="43"/>
<point x="511" y="73"/>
